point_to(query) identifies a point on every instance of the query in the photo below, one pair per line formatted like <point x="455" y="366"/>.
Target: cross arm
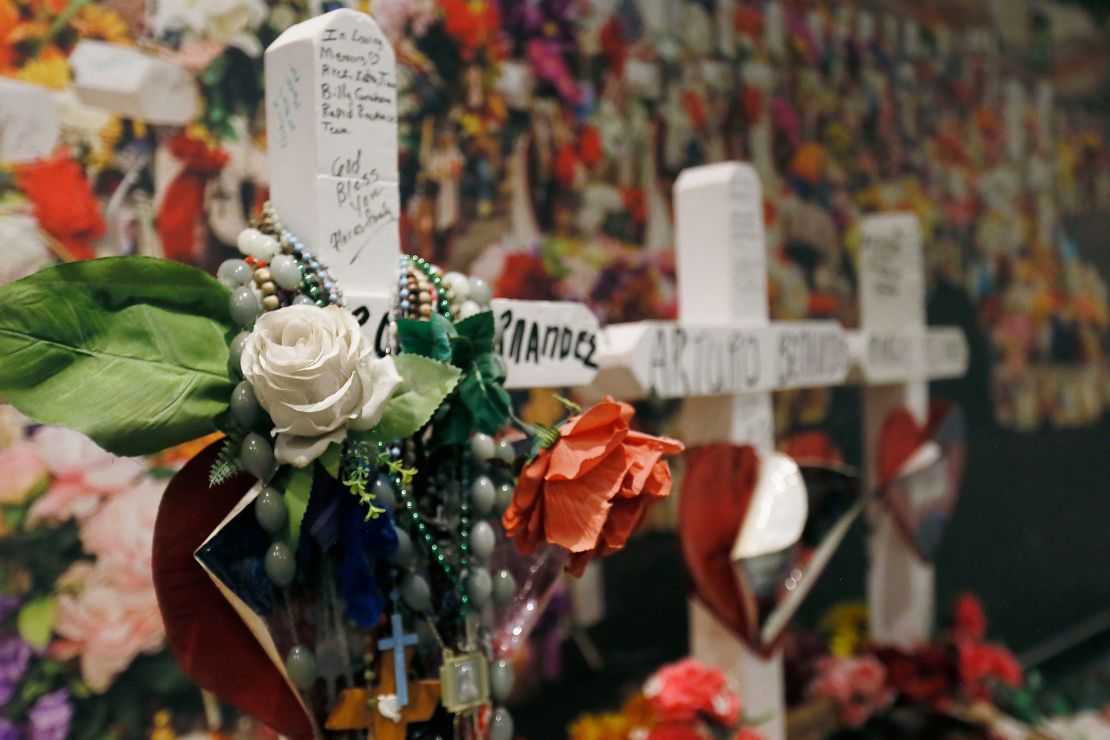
<point x="685" y="359"/>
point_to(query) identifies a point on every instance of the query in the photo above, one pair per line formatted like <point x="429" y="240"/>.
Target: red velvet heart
<point x="211" y="643"/>
<point x="902" y="436"/>
<point x="716" y="491"/>
<point x="921" y="514"/>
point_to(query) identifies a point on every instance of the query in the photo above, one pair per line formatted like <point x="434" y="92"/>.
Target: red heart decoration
<point x="716" y="491"/>
<point x="920" y="520"/>
<point x="902" y="436"/>
<point x="205" y="634"/>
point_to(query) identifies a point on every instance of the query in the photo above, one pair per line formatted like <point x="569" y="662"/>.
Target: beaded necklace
<point x="277" y="270"/>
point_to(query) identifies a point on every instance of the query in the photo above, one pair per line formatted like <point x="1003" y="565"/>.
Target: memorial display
<point x="483" y="369"/>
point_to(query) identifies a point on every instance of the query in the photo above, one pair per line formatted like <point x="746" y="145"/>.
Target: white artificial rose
<point x="317" y="375"/>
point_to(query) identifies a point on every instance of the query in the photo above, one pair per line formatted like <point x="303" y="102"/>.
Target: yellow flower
<point x="846" y="626"/>
<point x="612" y="726"/>
<point x="96" y="22"/>
<point x="844" y="644"/>
<point x="49" y="70"/>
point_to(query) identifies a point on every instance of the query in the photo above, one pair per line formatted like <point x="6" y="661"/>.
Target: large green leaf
<point x="131" y="351"/>
<point x="426" y="383"/>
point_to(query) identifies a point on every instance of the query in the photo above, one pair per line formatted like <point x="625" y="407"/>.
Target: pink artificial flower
<point x="104" y="624"/>
<point x="121" y="535"/>
<point x="23" y="473"/>
<point x="857" y="684"/>
<point x="688" y="690"/>
<point x="83" y="475"/>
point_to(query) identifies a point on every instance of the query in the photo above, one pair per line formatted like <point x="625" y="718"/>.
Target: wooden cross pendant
<point x="357" y="709"/>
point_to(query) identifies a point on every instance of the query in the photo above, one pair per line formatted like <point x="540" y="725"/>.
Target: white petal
<point x="383" y="380"/>
<point x="300" y="451"/>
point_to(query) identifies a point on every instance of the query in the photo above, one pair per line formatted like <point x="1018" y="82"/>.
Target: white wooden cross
<point x="29" y="125"/>
<point x="895" y="355"/>
<point x="133" y="83"/>
<point x="724" y="357"/>
<point x="331" y="122"/>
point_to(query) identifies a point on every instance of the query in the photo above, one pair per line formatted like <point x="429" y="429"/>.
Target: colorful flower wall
<point x="540" y="142"/>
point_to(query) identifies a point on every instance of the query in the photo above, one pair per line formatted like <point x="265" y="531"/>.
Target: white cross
<point x="29" y="125"/>
<point x="896" y="355"/>
<point x="133" y="83"/>
<point x="331" y="122"/>
<point x="725" y="357"/>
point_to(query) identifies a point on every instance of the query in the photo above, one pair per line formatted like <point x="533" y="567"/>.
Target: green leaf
<point x="462" y="352"/>
<point x="331" y="459"/>
<point x="487" y="402"/>
<point x="132" y="351"/>
<point x="491" y="368"/>
<point x="36" y="621"/>
<point x="479" y="329"/>
<point x="297" y="492"/>
<point x="426" y="383"/>
<point x="431" y="339"/>
<point x="452" y="424"/>
<point x="212" y="74"/>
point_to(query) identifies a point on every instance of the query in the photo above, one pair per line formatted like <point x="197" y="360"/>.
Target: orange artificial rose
<point x="589" y="490"/>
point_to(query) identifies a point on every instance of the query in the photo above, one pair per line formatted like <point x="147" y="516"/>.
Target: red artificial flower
<point x="748" y="21"/>
<point x="925" y="675"/>
<point x="969" y="623"/>
<point x="978" y="663"/>
<point x="181" y="216"/>
<point x="566" y="167"/>
<point x="688" y="690"/>
<point x="857" y="684"/>
<point x="747" y="733"/>
<point x="635" y="203"/>
<point x="694" y="106"/>
<point x="589" y="490"/>
<point x="63" y="201"/>
<point x="473" y="24"/>
<point x="614" y="47"/>
<point x="675" y="731"/>
<point x="525" y="277"/>
<point x="589" y="146"/>
<point x="751" y="102"/>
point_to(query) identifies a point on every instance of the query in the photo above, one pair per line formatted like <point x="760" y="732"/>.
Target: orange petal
<point x="668" y="445"/>
<point x="624" y="517"/>
<point x="575" y="510"/>
<point x="646" y="452"/>
<point x="658" y="484"/>
<point x="587" y="442"/>
<point x="526" y="493"/>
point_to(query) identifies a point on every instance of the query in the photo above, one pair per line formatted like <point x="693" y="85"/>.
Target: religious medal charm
<point x="465" y="680"/>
